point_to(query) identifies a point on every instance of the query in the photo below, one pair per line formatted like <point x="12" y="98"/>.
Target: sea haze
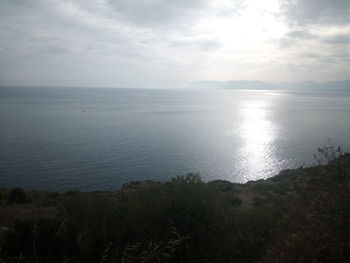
<point x="98" y="139"/>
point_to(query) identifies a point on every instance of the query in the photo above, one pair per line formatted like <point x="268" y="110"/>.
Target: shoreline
<point x="263" y="221"/>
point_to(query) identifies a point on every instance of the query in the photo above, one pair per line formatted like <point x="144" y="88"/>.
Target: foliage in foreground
<point x="299" y="216"/>
<point x="17" y="196"/>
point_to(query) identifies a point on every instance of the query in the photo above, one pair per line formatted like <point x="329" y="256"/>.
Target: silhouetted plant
<point x="133" y="226"/>
<point x="155" y="251"/>
<point x="330" y="154"/>
<point x="192" y="178"/>
<point x="236" y="201"/>
<point x="17" y="196"/>
<point x="327" y="154"/>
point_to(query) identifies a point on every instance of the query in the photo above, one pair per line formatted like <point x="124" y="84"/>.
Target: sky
<point x="171" y="43"/>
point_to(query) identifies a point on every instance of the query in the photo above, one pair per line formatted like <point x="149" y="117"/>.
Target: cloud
<point x="294" y="36"/>
<point x="158" y="12"/>
<point x="341" y="39"/>
<point x="329" y="12"/>
<point x="197" y="45"/>
<point x="318" y="31"/>
<point x="299" y="34"/>
<point x="166" y="43"/>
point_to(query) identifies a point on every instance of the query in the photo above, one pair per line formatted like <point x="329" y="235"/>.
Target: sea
<point x="96" y="139"/>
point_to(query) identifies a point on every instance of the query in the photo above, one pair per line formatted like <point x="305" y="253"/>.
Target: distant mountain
<point x="260" y="85"/>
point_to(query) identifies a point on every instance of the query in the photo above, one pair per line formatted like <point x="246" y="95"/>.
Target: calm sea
<point x="98" y="139"/>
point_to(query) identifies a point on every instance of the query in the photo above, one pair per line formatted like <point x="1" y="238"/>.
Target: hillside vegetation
<point x="300" y="215"/>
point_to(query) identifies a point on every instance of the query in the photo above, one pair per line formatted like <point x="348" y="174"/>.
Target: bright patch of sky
<point x="166" y="43"/>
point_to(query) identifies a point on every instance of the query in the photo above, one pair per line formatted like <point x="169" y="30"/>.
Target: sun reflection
<point x="258" y="134"/>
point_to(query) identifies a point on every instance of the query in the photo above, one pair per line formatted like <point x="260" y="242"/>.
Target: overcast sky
<point x="170" y="43"/>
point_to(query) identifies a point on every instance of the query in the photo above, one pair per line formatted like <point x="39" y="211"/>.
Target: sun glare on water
<point x="258" y="134"/>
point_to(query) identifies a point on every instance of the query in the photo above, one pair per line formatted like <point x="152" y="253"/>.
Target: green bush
<point x="184" y="220"/>
<point x="187" y="220"/>
<point x="191" y="178"/>
<point x="236" y="201"/>
<point x="72" y="192"/>
<point x="17" y="196"/>
<point x="258" y="201"/>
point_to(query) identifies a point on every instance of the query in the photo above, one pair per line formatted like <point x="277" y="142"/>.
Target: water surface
<point x="98" y="139"/>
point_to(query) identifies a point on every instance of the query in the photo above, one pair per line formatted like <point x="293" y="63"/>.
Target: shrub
<point x="258" y="201"/>
<point x="72" y="193"/>
<point x="17" y="196"/>
<point x="236" y="201"/>
<point x="53" y="195"/>
<point x="264" y="187"/>
<point x="327" y="154"/>
<point x="192" y="178"/>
